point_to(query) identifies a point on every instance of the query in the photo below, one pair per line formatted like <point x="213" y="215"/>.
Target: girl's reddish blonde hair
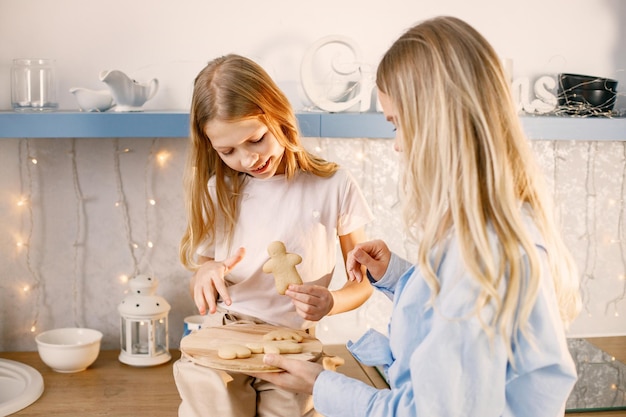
<point x="232" y="88"/>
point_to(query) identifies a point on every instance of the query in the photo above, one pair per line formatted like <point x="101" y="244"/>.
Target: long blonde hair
<point x="469" y="166"/>
<point x="232" y="88"/>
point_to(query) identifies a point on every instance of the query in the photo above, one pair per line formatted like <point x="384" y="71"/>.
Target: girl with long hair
<point x="249" y="181"/>
<point x="478" y="323"/>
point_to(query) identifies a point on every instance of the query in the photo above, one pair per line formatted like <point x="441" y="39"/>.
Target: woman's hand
<point x="208" y="282"/>
<point x="312" y="302"/>
<point x="299" y="375"/>
<point x="373" y="255"/>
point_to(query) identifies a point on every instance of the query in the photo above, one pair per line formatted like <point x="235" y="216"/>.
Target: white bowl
<point x="69" y="349"/>
<point x="92" y="100"/>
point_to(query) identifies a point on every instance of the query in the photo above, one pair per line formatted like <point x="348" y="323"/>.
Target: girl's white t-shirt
<point x="306" y="213"/>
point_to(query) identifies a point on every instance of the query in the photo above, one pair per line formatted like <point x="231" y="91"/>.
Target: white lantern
<point x="143" y="332"/>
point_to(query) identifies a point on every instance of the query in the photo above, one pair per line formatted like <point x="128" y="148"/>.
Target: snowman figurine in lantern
<point x="143" y="332"/>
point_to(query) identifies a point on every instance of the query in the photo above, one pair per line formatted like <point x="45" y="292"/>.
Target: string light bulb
<point x="162" y="157"/>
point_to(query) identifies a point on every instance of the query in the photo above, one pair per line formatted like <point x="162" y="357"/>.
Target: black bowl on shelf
<point x="602" y="100"/>
<point x="586" y="82"/>
<point x="586" y="95"/>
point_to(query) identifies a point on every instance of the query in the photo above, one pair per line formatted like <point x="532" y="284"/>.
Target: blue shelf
<point x="174" y="124"/>
<point x="574" y="128"/>
<point x="62" y="124"/>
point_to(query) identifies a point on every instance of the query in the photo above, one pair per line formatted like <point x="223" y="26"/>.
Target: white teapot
<point x="128" y="94"/>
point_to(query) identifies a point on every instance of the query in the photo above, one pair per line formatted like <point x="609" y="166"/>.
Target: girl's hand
<point x="208" y="282"/>
<point x="373" y="255"/>
<point x="312" y="302"/>
<point x="299" y="375"/>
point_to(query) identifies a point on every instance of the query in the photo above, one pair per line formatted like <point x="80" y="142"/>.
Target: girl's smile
<point x="260" y="169"/>
<point x="247" y="146"/>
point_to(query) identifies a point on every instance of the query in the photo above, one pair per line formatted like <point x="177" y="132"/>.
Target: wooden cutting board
<point x="201" y="347"/>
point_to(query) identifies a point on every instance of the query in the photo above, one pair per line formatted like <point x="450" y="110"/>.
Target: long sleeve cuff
<point x="330" y="399"/>
<point x="395" y="270"/>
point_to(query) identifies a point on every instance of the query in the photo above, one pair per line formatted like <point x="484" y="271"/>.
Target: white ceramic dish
<point x="69" y="349"/>
<point x="20" y="386"/>
<point x="128" y="94"/>
<point x="92" y="100"/>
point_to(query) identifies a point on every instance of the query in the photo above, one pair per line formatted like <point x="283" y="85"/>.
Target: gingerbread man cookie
<point x="283" y="334"/>
<point x="283" y="265"/>
<point x="275" y="347"/>
<point x="234" y="351"/>
<point x="331" y="363"/>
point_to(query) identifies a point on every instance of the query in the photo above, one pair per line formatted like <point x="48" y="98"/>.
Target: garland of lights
<point x="621" y="238"/>
<point x="357" y="76"/>
<point x="25" y="238"/>
<point x="79" y="241"/>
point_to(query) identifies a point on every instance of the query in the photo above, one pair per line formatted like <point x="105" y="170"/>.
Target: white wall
<point x="171" y="40"/>
<point x="79" y="239"/>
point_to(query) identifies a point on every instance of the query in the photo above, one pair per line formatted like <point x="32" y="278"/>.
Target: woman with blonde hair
<point x="249" y="182"/>
<point x="478" y="322"/>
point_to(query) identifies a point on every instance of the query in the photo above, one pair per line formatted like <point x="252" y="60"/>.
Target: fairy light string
<point x="79" y="240"/>
<point x="122" y="203"/>
<point x="30" y="168"/>
<point x="555" y="168"/>
<point x="26" y="193"/>
<point x="621" y="237"/>
<point x="590" y="227"/>
<point x="150" y="202"/>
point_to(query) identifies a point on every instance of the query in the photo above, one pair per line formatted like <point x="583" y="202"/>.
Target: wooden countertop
<point x="106" y="388"/>
<point x="111" y="388"/>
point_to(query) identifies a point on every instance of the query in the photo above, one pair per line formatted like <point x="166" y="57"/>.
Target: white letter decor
<point x="545" y="101"/>
<point x="356" y="79"/>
